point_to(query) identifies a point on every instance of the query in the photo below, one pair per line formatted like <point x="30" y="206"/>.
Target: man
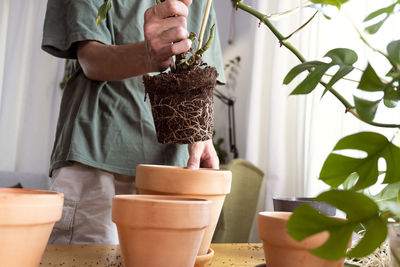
<point x="105" y="128"/>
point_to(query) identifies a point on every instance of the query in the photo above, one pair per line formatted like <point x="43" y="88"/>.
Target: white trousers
<point x="88" y="193"/>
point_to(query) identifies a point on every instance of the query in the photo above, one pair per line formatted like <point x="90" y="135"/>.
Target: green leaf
<point x="391" y="97"/>
<point x="311" y="81"/>
<point x="103" y="10"/>
<point x="375" y="234"/>
<point x="337" y="167"/>
<point x="359" y="209"/>
<point x="393" y="49"/>
<point x="343" y="57"/>
<point x="388" y="194"/>
<point x="350" y="181"/>
<point x="337" y="3"/>
<point x="376" y="13"/>
<point x="306" y="221"/>
<point x="370" y="81"/>
<point x="366" y="109"/>
<point x="295" y="71"/>
<point x="372" y="29"/>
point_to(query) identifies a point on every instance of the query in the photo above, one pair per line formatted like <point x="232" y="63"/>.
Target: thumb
<point x="193" y="162"/>
<point x="194" y="157"/>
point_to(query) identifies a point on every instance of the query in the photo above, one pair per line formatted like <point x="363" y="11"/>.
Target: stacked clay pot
<point x="26" y="220"/>
<point x="210" y="184"/>
<point x="160" y="230"/>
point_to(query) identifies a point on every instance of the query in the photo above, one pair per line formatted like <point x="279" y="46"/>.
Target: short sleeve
<point x="70" y="21"/>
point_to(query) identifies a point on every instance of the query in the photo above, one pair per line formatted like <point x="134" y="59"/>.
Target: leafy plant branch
<point x="354" y="175"/>
<point x="283" y="42"/>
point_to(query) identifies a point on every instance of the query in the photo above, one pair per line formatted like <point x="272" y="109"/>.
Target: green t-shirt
<point x="108" y="125"/>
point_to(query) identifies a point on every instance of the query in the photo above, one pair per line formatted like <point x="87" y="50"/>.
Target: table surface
<point x="232" y="255"/>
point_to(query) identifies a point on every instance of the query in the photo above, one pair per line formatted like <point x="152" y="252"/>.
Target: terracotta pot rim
<point x="164" y="179"/>
<point x="10" y="194"/>
<point x="277" y="215"/>
<point x="167" y="199"/>
<point x="25" y="191"/>
<point x="194" y="213"/>
<point x="29" y="206"/>
<point x="201" y="170"/>
<point x="201" y="260"/>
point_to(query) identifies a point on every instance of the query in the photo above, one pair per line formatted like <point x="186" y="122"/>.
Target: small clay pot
<point x="26" y="220"/>
<point x="182" y="105"/>
<point x="291" y="203"/>
<point x="209" y="184"/>
<point x="281" y="250"/>
<point x="159" y="231"/>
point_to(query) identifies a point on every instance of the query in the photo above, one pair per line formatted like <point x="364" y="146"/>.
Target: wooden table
<point x="232" y="255"/>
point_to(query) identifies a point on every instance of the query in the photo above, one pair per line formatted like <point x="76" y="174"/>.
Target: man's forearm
<point x="113" y="62"/>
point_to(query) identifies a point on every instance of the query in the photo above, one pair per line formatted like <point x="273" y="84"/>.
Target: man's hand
<point x="165" y="32"/>
<point x="202" y="154"/>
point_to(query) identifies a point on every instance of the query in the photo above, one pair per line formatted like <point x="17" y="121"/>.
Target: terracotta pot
<point x="202" y="183"/>
<point x="26" y="220"/>
<point x="158" y="231"/>
<point x="281" y="250"/>
<point x="291" y="203"/>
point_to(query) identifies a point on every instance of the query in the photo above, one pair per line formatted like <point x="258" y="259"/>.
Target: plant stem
<point x="264" y="19"/>
<point x="208" y="43"/>
<point x="302" y="26"/>
<point x="203" y="25"/>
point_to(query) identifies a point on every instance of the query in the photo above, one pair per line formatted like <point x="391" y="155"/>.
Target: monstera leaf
<point x="387" y="196"/>
<point x="366" y="109"/>
<point x="338" y="167"/>
<point x="337" y="3"/>
<point x="359" y="209"/>
<point x="342" y="57"/>
<point x="387" y="11"/>
<point x="393" y="50"/>
<point x="371" y="82"/>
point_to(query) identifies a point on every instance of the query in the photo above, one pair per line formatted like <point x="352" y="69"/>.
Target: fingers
<point x="167" y="9"/>
<point x="171" y="8"/>
<point x="202" y="154"/>
<point x="165" y="32"/>
<point x="173" y="34"/>
<point x="181" y="47"/>
<point x="187" y="2"/>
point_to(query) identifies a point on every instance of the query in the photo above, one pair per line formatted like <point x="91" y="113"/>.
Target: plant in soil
<point x="182" y="99"/>
<point x="350" y="177"/>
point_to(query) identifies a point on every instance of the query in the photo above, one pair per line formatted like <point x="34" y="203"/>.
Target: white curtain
<point x="29" y="90"/>
<point x="289" y="137"/>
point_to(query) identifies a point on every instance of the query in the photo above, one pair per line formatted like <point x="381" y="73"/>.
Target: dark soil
<point x="182" y="105"/>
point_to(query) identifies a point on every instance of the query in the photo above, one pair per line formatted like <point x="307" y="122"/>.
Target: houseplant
<point x="349" y="176"/>
<point x="182" y="99"/>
